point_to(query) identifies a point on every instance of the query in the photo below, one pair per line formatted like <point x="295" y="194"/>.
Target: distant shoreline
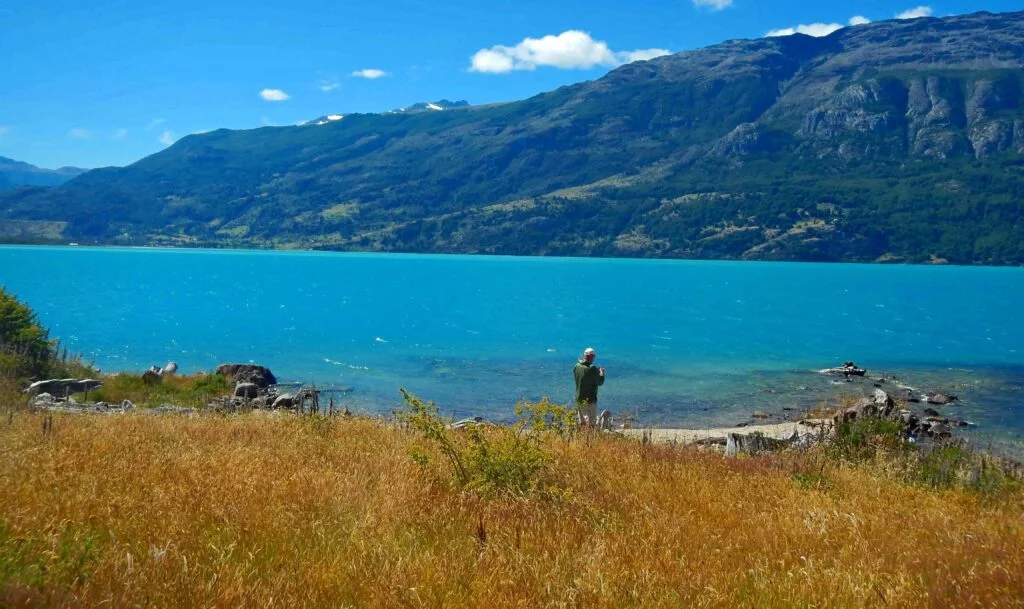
<point x="402" y="253"/>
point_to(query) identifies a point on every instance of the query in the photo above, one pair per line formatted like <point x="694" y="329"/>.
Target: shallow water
<point x="684" y="342"/>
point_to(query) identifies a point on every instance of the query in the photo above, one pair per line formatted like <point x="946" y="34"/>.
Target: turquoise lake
<point x="684" y="342"/>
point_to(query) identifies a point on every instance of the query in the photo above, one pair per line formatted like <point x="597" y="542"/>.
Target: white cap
<point x="589" y="351"/>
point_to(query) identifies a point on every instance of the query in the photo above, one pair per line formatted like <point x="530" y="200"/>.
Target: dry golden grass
<point x="275" y="510"/>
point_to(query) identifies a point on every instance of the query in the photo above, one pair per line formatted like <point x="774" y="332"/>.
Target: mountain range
<point x="893" y="141"/>
<point x="17" y="173"/>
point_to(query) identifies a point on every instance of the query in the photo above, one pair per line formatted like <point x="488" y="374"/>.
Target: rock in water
<point x="847" y="369"/>
<point x="939" y="398"/>
<point x="261" y="376"/>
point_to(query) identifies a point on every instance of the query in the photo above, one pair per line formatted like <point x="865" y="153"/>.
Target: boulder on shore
<point x="285" y="400"/>
<point x="878" y="405"/>
<point x="247" y="391"/>
<point x="260" y="376"/>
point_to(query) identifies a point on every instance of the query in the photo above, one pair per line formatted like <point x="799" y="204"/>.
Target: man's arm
<point x="600" y="377"/>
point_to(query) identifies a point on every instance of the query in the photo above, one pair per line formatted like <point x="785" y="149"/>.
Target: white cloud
<point x="156" y="122"/>
<point x="79" y="133"/>
<point x="274" y="95"/>
<point x="370" y="73"/>
<point x="570" y="50"/>
<point x="715" y="5"/>
<point x="119" y="134"/>
<point x="811" y="29"/>
<point x="166" y="138"/>
<point x="494" y="61"/>
<point x="327" y="85"/>
<point x="914" y="13"/>
<point x="859" y="20"/>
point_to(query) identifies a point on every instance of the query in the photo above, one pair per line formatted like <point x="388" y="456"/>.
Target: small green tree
<point x="491" y="460"/>
<point x="25" y="348"/>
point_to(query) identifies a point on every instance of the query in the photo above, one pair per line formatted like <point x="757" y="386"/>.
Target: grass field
<point x="275" y="510"/>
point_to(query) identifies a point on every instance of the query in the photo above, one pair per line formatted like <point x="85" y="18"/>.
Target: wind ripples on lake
<point x="685" y="342"/>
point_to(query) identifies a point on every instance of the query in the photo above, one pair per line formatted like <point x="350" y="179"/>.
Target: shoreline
<point x="684" y="436"/>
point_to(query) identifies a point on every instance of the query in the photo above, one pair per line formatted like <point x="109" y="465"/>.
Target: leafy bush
<point x="864" y="437"/>
<point x="26" y="352"/>
<point x="25" y="349"/>
<point x="490" y="460"/>
<point x="547" y="416"/>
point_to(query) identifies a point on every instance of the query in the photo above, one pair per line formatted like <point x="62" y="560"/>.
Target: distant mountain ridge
<point x="893" y="141"/>
<point x="17" y="173"/>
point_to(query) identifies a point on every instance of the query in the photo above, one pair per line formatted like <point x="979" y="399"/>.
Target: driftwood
<point x="63" y="387"/>
<point x="751" y="444"/>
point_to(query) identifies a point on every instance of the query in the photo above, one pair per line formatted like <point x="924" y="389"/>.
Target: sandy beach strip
<point x="779" y="431"/>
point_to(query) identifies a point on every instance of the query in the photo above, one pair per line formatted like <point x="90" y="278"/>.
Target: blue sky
<point x="108" y="82"/>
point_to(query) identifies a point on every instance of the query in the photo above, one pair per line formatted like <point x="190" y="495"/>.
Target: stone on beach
<point x="247" y="391"/>
<point x="261" y="376"/>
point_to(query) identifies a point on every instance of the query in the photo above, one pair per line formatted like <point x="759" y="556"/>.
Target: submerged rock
<point x="847" y="369"/>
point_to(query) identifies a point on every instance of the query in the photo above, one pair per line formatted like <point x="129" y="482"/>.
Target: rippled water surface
<point x="691" y="343"/>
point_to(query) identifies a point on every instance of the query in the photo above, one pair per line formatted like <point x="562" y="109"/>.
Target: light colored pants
<point x="588" y="413"/>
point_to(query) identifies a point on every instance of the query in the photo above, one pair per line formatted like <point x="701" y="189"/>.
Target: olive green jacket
<point x="588" y="379"/>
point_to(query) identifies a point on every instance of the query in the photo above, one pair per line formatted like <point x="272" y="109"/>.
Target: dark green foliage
<point x="489" y="460"/>
<point x="864" y="437"/>
<point x="25" y="349"/>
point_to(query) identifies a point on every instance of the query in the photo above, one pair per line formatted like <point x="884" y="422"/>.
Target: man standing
<point x="588" y="378"/>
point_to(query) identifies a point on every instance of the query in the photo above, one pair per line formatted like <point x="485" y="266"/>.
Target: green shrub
<point x="489" y="460"/>
<point x="25" y="349"/>
<point x="547" y="416"/>
<point x="863" y="438"/>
